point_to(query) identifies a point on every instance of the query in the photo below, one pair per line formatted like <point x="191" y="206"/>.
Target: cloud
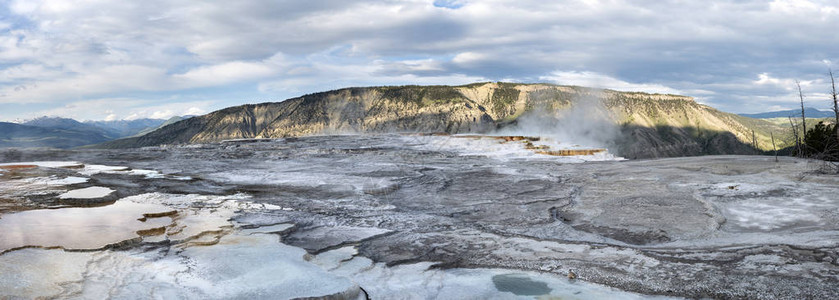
<point x="108" y="79"/>
<point x="28" y="72"/>
<point x="225" y="73"/>
<point x="785" y="83"/>
<point x="729" y="54"/>
<point x="194" y="111"/>
<point x="120" y="108"/>
<point x="321" y="75"/>
<point x="469" y="57"/>
<point x="591" y="79"/>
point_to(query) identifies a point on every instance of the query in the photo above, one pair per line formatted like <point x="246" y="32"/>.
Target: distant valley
<point x="68" y="133"/>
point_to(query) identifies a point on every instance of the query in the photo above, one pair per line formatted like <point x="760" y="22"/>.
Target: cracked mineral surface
<point x="411" y="217"/>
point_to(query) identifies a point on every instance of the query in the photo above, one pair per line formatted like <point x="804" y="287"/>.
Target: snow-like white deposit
<point x="753" y="205"/>
<point x="53" y="180"/>
<point x="420" y="281"/>
<point x="380" y="217"/>
<point x="38" y="273"/>
<point x="199" y="215"/>
<point x="238" y="267"/>
<point x="87" y="193"/>
<point x="303" y="175"/>
<point x="259" y="266"/>
<point x="490" y="146"/>
<point x="220" y="261"/>
<point x="96" y="169"/>
<point x="145" y="173"/>
<point x="67" y="181"/>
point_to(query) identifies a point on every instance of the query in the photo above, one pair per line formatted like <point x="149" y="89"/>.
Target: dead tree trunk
<point x="835" y="105"/>
<point x="803" y="118"/>
<point x="795" y="136"/>
<point x="772" y="135"/>
<point x="833" y="93"/>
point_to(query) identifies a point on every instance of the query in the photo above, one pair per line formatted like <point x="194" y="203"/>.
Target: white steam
<point x="586" y="123"/>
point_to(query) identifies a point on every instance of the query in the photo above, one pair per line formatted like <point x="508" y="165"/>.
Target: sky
<point x="112" y="60"/>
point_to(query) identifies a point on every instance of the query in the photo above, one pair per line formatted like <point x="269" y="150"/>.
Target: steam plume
<point x="586" y="123"/>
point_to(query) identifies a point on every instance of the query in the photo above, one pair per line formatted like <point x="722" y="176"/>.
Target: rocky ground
<point x="389" y="216"/>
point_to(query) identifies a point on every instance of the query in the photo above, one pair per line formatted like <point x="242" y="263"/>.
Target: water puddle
<point x="93" y="192"/>
<point x="79" y="228"/>
<point x="520" y="285"/>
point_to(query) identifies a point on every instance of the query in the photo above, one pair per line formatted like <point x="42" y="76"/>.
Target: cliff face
<point x="652" y="124"/>
<point x="384" y="109"/>
<point x="670" y="125"/>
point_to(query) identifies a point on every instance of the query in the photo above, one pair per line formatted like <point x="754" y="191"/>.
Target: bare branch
<point x="801" y="97"/>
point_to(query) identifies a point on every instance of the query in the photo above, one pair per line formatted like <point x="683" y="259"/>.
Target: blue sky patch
<point x="451" y="4"/>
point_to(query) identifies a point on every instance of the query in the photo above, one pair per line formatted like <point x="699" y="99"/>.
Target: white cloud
<point x="122" y="108"/>
<point x="797" y="7"/>
<point x="27" y="72"/>
<point x="57" y="53"/>
<point x="109" y="79"/>
<point x="195" y="111"/>
<point x="225" y="73"/>
<point x="784" y="83"/>
<point x="166" y="112"/>
<point x="161" y="114"/>
<point x="123" y="78"/>
<point x="592" y="79"/>
<point x="765" y="79"/>
<point x="322" y="76"/>
<point x="468" y="57"/>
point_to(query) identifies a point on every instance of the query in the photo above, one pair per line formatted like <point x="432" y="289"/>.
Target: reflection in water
<point x="78" y="228"/>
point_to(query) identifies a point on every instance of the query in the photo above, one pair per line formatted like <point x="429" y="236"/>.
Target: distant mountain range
<point x="17" y="135"/>
<point x="650" y="125"/>
<point x="159" y="125"/>
<point x="125" y="128"/>
<point x="795" y="113"/>
<point x="67" y="133"/>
